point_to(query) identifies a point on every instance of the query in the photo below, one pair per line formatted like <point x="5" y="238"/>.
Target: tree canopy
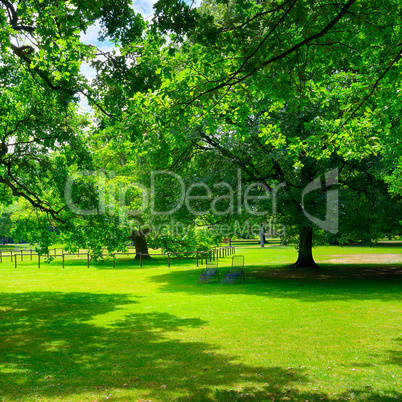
<point x="283" y="92"/>
<point x="287" y="92"/>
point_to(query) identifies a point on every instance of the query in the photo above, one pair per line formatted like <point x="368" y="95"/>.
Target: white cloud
<point x="90" y="37"/>
<point x="88" y="71"/>
<point x="144" y="7"/>
<point x="83" y="104"/>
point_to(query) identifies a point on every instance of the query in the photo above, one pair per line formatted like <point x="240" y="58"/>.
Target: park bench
<point x="211" y="270"/>
<point x="236" y="270"/>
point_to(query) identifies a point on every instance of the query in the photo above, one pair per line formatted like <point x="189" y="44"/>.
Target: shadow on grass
<point x="153" y="262"/>
<point x="49" y="347"/>
<point x="334" y="271"/>
<point x="396" y="355"/>
<point x="332" y="282"/>
<point x="249" y="394"/>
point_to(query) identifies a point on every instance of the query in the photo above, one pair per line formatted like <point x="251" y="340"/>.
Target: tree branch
<point x="257" y="16"/>
<point x="365" y="99"/>
<point x="312" y="37"/>
<point x="231" y="81"/>
<point x="24" y="28"/>
<point x="11" y="12"/>
<point x="36" y="204"/>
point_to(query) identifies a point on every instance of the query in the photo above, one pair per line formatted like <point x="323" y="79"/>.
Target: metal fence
<point x="200" y="256"/>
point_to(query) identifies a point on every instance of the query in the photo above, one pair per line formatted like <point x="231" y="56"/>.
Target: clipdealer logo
<point x="241" y="198"/>
<point x="331" y="221"/>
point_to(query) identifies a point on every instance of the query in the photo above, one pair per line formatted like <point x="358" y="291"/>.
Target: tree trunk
<point x="305" y="258"/>
<point x="141" y="245"/>
<point x="262" y="236"/>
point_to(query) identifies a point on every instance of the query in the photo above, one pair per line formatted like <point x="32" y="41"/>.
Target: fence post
<point x="87" y="260"/>
<point x="197" y="258"/>
<point x="168" y="259"/>
<point x="210" y="255"/>
<point x="11" y="253"/>
<point x="15" y="258"/>
<point x="38" y="260"/>
<point x="31" y="254"/>
<point x="1" y="256"/>
<point x="63" y="260"/>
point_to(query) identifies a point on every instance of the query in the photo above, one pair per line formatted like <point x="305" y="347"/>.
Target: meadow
<point x="152" y="334"/>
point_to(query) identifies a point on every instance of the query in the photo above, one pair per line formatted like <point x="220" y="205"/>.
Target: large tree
<point x="288" y="92"/>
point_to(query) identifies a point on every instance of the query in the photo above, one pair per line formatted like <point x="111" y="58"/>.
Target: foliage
<point x="284" y="92"/>
<point x="5" y="221"/>
<point x="43" y="137"/>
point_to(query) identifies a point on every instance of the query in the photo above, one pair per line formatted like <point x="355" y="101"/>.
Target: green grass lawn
<point x="130" y="334"/>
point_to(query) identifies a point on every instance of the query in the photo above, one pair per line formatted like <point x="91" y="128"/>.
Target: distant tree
<point x="5" y="224"/>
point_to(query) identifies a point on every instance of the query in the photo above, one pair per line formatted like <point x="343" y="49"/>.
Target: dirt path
<point x="365" y="259"/>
